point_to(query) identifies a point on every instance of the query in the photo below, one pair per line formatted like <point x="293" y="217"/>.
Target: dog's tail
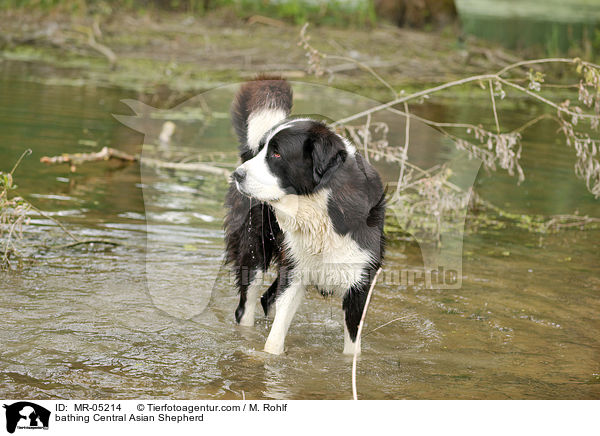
<point x="258" y="106"/>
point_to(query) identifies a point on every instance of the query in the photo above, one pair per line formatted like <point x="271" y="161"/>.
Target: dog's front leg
<point x="286" y="305"/>
<point x="351" y="341"/>
<point x="249" y="294"/>
<point x="353" y="305"/>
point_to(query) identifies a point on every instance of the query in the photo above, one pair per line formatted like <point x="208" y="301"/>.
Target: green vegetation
<point x="333" y="13"/>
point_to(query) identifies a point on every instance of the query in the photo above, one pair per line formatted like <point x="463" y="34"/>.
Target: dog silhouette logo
<point x="26" y="415"/>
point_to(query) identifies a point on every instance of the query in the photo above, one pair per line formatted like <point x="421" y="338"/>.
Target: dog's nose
<point x="239" y="175"/>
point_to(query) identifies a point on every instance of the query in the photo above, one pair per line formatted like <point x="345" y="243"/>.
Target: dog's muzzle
<point x="239" y="175"/>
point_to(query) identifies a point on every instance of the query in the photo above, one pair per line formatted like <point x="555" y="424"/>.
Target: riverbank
<point x="170" y="54"/>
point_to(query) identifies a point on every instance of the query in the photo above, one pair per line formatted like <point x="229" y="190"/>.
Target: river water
<point x="98" y="322"/>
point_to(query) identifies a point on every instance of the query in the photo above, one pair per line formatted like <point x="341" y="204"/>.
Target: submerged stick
<point x="95" y="45"/>
<point x="186" y="166"/>
<point x="78" y="158"/>
<point x="55" y="221"/>
<point x="266" y="20"/>
<point x="358" y="334"/>
<point x="85" y="241"/>
<point x="108" y="153"/>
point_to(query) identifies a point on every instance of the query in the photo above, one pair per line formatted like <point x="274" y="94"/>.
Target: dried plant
<point x="373" y="137"/>
<point x="431" y="206"/>
<point x="14" y="212"/>
<point x="313" y="55"/>
<point x="426" y="194"/>
<point x="502" y="149"/>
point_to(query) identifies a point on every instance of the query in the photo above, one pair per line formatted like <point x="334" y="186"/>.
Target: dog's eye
<point x="275" y="155"/>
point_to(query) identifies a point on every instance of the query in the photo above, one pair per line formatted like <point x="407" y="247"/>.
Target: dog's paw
<point x="244" y="317"/>
<point x="273" y="348"/>
<point x="351" y="347"/>
<point x="239" y="313"/>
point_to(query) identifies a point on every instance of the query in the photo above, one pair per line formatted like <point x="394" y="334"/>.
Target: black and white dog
<point x="305" y="200"/>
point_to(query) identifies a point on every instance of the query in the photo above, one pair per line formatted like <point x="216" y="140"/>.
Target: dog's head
<point x="297" y="157"/>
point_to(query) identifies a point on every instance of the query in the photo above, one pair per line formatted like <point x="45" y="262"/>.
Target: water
<point x="86" y="323"/>
<point x="553" y="26"/>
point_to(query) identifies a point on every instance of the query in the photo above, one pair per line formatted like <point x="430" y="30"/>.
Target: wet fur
<point x="326" y="216"/>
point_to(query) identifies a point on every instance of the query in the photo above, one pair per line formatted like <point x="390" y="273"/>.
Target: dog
<point x="305" y="201"/>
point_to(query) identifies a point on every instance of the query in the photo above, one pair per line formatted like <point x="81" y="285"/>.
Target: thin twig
<point x="9" y="244"/>
<point x="404" y="151"/>
<point x="85" y="241"/>
<point x="467" y="125"/>
<point x="366" y="138"/>
<point x="545" y="100"/>
<point x="543" y="61"/>
<point x="25" y="153"/>
<point x="360" y="327"/>
<point x="386" y="324"/>
<point x="265" y="20"/>
<point x="100" y="48"/>
<point x="494" y="106"/>
<point x="365" y="67"/>
<point x="431" y="122"/>
<point x="426" y="173"/>
<point x="55" y="221"/>
<point x="110" y="153"/>
<point x="419" y="94"/>
<point x="576" y="221"/>
<point x="192" y="166"/>
<point x="340" y="68"/>
<point x="478" y="78"/>
<point x="533" y="121"/>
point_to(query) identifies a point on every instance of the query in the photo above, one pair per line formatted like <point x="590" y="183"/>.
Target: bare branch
<point x="543" y="61"/>
<point x="358" y="334"/>
<point x="110" y="153"/>
<point x="366" y="137"/>
<point x="494" y="106"/>
<point x="404" y="157"/>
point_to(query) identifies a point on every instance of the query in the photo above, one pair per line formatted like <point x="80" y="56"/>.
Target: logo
<point x="433" y="211"/>
<point x="26" y="415"/>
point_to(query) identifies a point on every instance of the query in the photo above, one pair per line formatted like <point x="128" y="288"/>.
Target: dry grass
<point x="14" y="212"/>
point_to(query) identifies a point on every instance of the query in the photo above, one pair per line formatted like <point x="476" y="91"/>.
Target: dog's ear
<point x="328" y="153"/>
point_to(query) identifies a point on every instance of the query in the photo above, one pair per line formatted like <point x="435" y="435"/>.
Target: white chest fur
<point x="321" y="256"/>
